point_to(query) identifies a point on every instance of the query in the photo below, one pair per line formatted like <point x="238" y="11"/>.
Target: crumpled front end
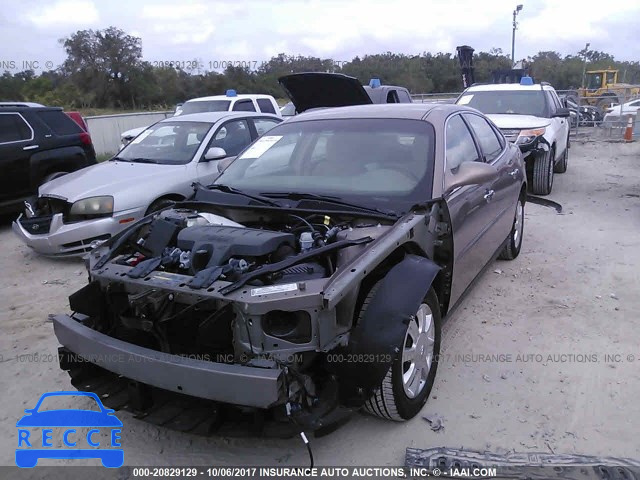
<point x="221" y="312"/>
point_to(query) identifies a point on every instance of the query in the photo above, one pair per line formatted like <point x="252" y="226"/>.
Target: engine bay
<point x="209" y="247"/>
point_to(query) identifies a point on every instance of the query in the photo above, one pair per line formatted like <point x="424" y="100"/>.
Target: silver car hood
<point x="517" y="121"/>
<point x="112" y="178"/>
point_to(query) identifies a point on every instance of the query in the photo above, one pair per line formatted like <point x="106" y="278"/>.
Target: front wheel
<point x="406" y="386"/>
<point x="543" y="173"/>
<point x="514" y="242"/>
<point x="561" y="165"/>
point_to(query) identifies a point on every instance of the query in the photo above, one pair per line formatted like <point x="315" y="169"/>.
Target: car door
<point x="559" y="125"/>
<point x="16" y="145"/>
<point x="505" y="189"/>
<point x="469" y="208"/>
<point x="233" y="135"/>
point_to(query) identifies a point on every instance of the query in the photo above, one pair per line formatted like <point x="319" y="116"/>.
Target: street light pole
<point x="513" y="35"/>
<point x="584" y="64"/>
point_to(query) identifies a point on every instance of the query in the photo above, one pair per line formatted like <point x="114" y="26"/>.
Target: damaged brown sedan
<point x="309" y="281"/>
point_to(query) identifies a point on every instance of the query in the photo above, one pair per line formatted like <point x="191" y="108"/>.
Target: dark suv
<point x="37" y="144"/>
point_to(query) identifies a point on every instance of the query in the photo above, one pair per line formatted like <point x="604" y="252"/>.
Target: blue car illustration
<point x="68" y="418"/>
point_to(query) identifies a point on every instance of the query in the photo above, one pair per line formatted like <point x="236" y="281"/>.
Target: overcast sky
<point x="255" y="30"/>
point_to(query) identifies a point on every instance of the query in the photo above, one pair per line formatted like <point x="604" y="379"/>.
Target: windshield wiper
<point x="134" y="160"/>
<point x="228" y="189"/>
<point x="329" y="199"/>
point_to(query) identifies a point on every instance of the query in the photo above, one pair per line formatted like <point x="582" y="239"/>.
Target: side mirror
<point x="222" y="166"/>
<point x="562" y="112"/>
<point x="472" y="173"/>
<point x="215" y="153"/>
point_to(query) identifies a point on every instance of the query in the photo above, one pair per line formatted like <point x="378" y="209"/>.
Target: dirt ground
<point x="570" y="299"/>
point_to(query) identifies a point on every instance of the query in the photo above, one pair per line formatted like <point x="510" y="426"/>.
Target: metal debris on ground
<point x="435" y="421"/>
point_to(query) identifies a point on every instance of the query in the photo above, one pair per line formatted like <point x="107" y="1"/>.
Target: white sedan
<point x="80" y="210"/>
<point x="620" y="112"/>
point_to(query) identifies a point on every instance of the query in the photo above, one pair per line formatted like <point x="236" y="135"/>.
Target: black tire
<point x="543" y="174"/>
<point x="52" y="176"/>
<point x="606" y="102"/>
<point x="159" y="205"/>
<point x="514" y="243"/>
<point x="561" y="165"/>
<point x="389" y="400"/>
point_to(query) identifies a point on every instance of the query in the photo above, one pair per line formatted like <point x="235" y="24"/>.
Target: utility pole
<point x="513" y="36"/>
<point x="584" y="64"/>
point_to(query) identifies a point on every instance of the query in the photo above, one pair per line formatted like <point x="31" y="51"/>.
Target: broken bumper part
<point x="61" y="239"/>
<point x="234" y="384"/>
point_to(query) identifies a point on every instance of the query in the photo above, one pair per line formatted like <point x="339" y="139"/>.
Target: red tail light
<point x="85" y="138"/>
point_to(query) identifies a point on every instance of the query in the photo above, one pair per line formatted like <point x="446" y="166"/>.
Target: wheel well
<point x="409" y="248"/>
<point x="176" y="197"/>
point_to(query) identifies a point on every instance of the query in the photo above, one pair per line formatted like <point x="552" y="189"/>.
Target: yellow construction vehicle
<point x="602" y="89"/>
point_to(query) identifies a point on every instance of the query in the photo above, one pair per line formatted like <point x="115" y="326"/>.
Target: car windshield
<point x="384" y="163"/>
<point x="166" y="143"/>
<point x="204" y="106"/>
<point x="519" y="102"/>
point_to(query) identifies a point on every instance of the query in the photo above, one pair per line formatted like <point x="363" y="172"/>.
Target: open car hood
<point x="316" y="89"/>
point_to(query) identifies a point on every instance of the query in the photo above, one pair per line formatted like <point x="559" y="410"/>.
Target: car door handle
<point x="30" y="147"/>
<point x="489" y="195"/>
<point x="514" y="173"/>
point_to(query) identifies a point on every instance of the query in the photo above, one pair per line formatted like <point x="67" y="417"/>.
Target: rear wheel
<point x="52" y="176"/>
<point x="543" y="173"/>
<point x="406" y="386"/>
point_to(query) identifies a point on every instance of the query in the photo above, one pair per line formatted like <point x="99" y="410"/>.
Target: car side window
<point x="233" y="136"/>
<point x="244" y="106"/>
<point x="554" y="103"/>
<point x="13" y="128"/>
<point x="266" y="106"/>
<point x="404" y="96"/>
<point x="460" y="146"/>
<point x="392" y="97"/>
<point x="489" y="143"/>
<point x="263" y="125"/>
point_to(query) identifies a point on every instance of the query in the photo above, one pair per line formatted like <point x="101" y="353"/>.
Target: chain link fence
<point x="604" y="117"/>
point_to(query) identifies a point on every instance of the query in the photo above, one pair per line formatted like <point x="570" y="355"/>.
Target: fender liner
<point x="376" y="341"/>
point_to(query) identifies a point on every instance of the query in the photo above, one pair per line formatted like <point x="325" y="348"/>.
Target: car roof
<point x="20" y="104"/>
<point x="213" y="117"/>
<point x="13" y="108"/>
<point x="411" y="111"/>
<point x="227" y="97"/>
<point x="502" y="87"/>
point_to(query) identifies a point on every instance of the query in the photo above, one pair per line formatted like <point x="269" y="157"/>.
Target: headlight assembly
<point x="528" y="136"/>
<point x="88" y="208"/>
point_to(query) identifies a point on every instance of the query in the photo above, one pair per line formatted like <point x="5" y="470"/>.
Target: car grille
<point x="510" y="133"/>
<point x="37" y="225"/>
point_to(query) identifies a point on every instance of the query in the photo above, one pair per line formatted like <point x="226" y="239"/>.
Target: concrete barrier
<point x="105" y="130"/>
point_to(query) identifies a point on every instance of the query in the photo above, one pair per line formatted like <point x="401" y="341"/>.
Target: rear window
<point x="205" y="106"/>
<point x="266" y="106"/>
<point x="59" y="123"/>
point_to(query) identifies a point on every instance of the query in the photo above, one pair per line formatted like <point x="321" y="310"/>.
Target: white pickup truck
<point x="231" y="102"/>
